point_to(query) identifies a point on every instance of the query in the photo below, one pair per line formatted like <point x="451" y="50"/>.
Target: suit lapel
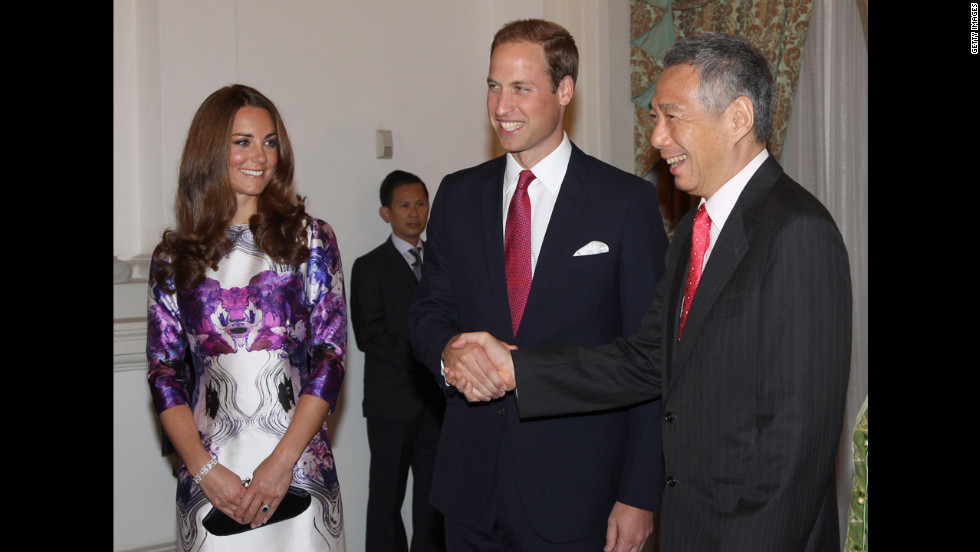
<point x="682" y="242"/>
<point x="492" y="223"/>
<point x="566" y="212"/>
<point x="724" y="259"/>
<point x="733" y="243"/>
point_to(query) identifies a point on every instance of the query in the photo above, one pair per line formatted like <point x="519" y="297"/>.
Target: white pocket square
<point x="592" y="248"/>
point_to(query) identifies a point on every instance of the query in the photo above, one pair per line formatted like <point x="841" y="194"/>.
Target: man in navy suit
<point x="402" y="403"/>
<point x="748" y="340"/>
<point x="588" y="259"/>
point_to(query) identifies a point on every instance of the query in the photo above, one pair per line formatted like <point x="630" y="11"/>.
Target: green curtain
<point x="857" y="515"/>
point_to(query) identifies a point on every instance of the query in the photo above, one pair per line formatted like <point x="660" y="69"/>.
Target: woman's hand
<point x="270" y="480"/>
<point x="224" y="489"/>
<point x="272" y="477"/>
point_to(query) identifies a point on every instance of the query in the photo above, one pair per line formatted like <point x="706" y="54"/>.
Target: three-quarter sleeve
<point x="328" y="315"/>
<point x="169" y="375"/>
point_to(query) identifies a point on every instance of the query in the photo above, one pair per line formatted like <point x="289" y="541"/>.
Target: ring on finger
<point x="265" y="508"/>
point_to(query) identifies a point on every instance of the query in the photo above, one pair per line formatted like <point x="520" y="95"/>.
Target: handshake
<point x="479" y="366"/>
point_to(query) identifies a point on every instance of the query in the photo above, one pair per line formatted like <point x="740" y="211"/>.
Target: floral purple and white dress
<point x="260" y="334"/>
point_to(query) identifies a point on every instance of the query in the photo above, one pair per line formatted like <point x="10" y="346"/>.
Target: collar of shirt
<point x="543" y="191"/>
<point x="723" y="201"/>
<point x="403" y="247"/>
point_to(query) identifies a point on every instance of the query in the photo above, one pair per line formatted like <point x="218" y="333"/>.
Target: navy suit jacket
<point x="753" y="392"/>
<point x="571" y="470"/>
<point x="396" y="385"/>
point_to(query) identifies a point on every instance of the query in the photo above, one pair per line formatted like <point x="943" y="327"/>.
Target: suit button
<point x="669" y="417"/>
<point x="671" y="482"/>
<point x="500" y="411"/>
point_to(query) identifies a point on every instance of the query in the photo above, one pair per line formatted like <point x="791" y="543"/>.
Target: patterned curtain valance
<point x="777" y="27"/>
<point x="660" y="37"/>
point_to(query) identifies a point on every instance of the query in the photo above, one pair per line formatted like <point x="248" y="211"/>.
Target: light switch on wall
<point x="382" y="140"/>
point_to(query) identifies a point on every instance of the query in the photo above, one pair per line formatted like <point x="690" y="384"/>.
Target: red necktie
<point x="700" y="237"/>
<point x="517" y="249"/>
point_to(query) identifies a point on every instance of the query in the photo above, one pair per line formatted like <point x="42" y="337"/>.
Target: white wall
<point x="337" y="70"/>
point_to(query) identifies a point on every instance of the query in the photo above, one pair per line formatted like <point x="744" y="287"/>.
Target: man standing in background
<point x="402" y="403"/>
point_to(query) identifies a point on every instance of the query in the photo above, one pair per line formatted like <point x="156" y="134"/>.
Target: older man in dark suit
<point x="748" y="340"/>
<point x="402" y="402"/>
<point x="543" y="245"/>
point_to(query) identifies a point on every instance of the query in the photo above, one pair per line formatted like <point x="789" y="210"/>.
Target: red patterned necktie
<point x="517" y="249"/>
<point x="700" y="237"/>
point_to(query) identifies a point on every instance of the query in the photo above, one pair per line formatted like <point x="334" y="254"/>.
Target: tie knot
<point x="701" y="218"/>
<point x="525" y="179"/>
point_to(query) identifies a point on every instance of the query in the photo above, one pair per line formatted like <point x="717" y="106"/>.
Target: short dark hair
<point x="560" y="52"/>
<point x="395" y="179"/>
<point x="729" y="66"/>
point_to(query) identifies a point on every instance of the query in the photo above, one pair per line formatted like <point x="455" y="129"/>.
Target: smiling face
<point x="408" y="212"/>
<point x="525" y="113"/>
<point x="252" y="157"/>
<point x="698" y="147"/>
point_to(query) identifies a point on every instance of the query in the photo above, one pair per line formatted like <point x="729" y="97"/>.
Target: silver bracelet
<point x="204" y="471"/>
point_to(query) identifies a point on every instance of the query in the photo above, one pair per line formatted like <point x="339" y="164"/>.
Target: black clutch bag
<point x="293" y="504"/>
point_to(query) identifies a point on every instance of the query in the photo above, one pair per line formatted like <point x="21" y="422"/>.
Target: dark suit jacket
<point x="396" y="385"/>
<point x="572" y="469"/>
<point x="754" y="391"/>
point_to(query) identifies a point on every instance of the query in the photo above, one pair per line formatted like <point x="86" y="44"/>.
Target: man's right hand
<point x="484" y="370"/>
<point x="469" y="369"/>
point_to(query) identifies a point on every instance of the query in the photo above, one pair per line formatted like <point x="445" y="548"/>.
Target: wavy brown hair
<point x="205" y="202"/>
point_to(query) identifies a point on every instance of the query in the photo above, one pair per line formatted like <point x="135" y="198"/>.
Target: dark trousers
<point x="503" y="525"/>
<point x="396" y="446"/>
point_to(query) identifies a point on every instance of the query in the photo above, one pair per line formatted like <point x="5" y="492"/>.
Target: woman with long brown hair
<point x="247" y="333"/>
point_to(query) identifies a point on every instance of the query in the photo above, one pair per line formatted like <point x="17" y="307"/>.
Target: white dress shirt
<point x="543" y="191"/>
<point x="723" y="201"/>
<point x="405" y="248"/>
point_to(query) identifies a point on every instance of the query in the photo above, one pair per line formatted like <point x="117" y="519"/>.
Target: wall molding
<point x="129" y="344"/>
<point x="163" y="547"/>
